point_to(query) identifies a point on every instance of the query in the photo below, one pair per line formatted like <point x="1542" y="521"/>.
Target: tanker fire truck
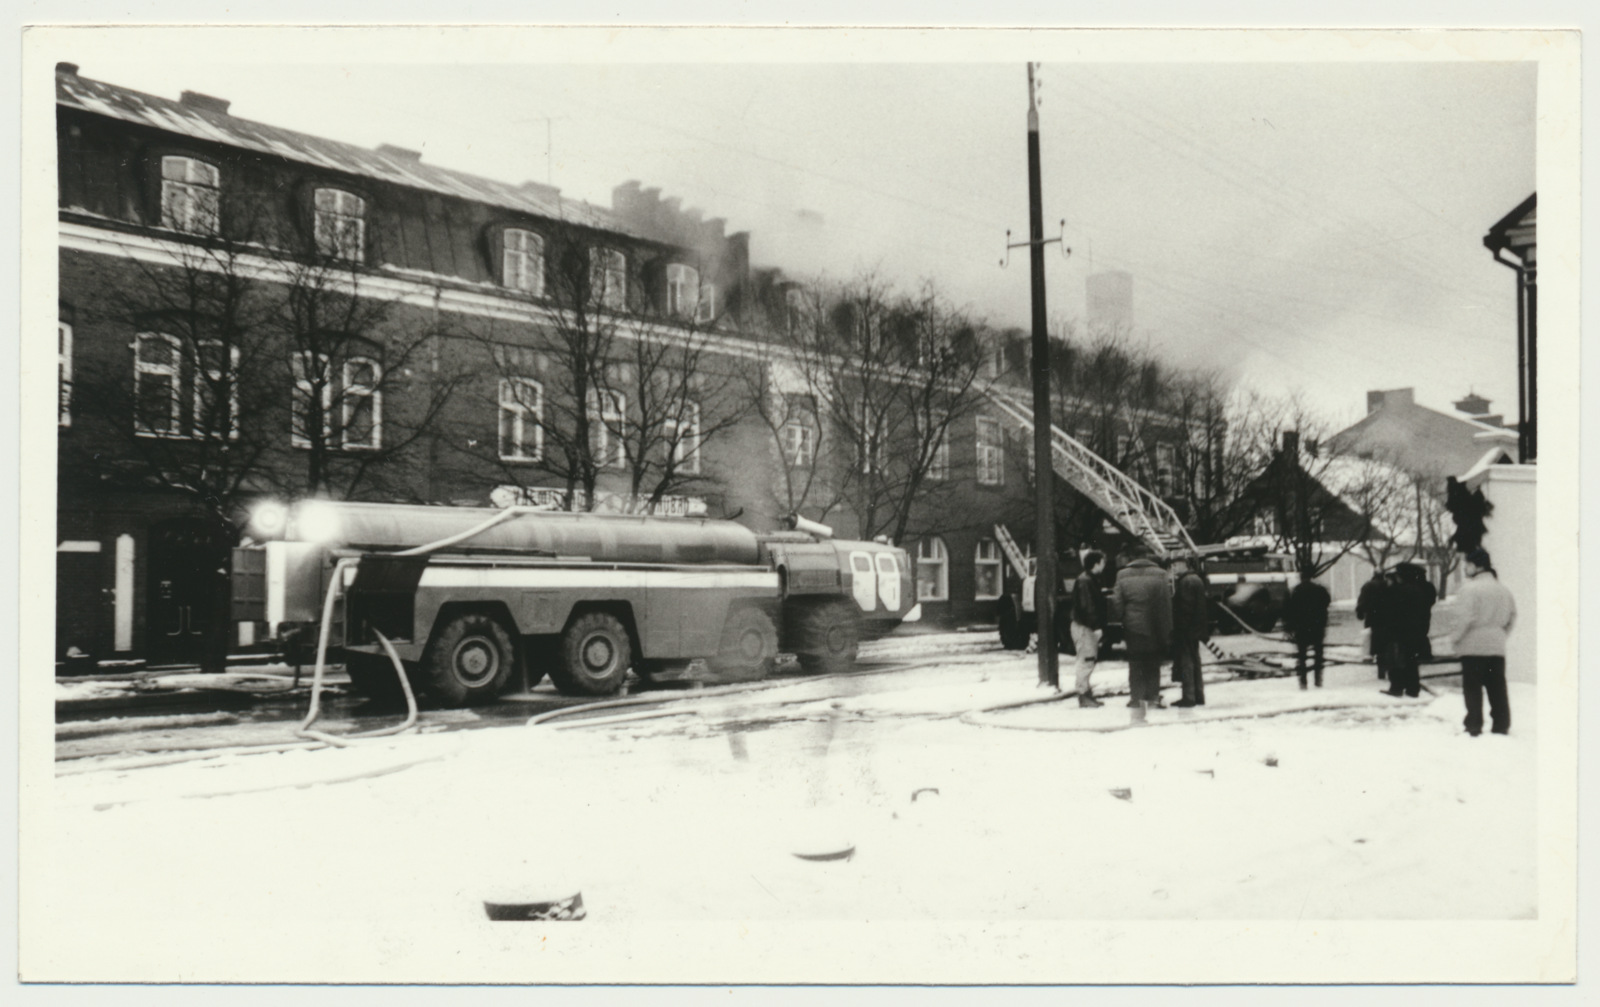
<point x="473" y="599"/>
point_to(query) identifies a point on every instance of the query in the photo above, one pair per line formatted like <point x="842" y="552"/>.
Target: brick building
<point x="248" y="312"/>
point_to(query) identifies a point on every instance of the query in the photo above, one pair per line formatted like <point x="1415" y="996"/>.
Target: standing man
<point x="1409" y="604"/>
<point x="1191" y="623"/>
<point x="1143" y="598"/>
<point x="1488" y="613"/>
<point x="1307" y="618"/>
<point x="1368" y="604"/>
<point x="1088" y="622"/>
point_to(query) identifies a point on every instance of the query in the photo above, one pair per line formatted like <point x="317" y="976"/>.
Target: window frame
<point x="604" y="262"/>
<point x="980" y="562"/>
<point x="792" y="448"/>
<point x="514" y="413"/>
<point x="330" y="230"/>
<point x="350" y="393"/>
<point x="204" y="376"/>
<point x="991" y="453"/>
<point x="600" y="431"/>
<point x="172" y="371"/>
<point x="304" y="388"/>
<point x="529" y="277"/>
<point x="939" y="461"/>
<point x="685" y="447"/>
<point x="705" y="305"/>
<point x="201" y="199"/>
<point x="939" y="560"/>
<point x="682" y="290"/>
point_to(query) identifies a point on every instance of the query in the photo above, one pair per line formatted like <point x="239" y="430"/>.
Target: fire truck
<point x="474" y="599"/>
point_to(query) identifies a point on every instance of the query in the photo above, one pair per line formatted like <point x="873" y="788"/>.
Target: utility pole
<point x="1044" y="581"/>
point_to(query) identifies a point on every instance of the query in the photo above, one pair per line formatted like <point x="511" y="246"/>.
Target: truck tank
<point x="602" y="538"/>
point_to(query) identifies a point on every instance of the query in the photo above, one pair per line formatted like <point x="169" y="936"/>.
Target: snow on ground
<point x="1252" y="808"/>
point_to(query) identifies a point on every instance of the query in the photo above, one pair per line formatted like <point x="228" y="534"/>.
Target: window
<point x="991" y="453"/>
<point x="986" y="570"/>
<point x="705" y="309"/>
<point x="521" y="419"/>
<point x="216" y="374"/>
<point x="799" y="444"/>
<point x="340" y="224"/>
<point x="313" y="399"/>
<point x="361" y="406"/>
<point x="933" y="570"/>
<point x="939" y="464"/>
<point x="683" y="290"/>
<point x="871" y="451"/>
<point x="608" y="277"/>
<point x="1166" y="469"/>
<point x="523" y="261"/>
<point x="607" y="411"/>
<point x="190" y="193"/>
<point x="64" y="374"/>
<point x="683" y="439"/>
<point x="794" y="303"/>
<point x="157" y="400"/>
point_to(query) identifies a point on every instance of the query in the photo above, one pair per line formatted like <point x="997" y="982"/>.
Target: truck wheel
<point x="373" y="677"/>
<point x="470" y="661"/>
<point x="749" y="645"/>
<point x="1012" y="634"/>
<point x="829" y="636"/>
<point x="595" y="656"/>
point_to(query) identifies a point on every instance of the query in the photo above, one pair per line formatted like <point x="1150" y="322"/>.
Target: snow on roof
<point x="389" y="164"/>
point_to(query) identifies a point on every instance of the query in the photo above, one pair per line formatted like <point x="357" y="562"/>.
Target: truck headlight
<point x="269" y="518"/>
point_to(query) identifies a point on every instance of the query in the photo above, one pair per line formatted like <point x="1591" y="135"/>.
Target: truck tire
<point x="1012" y="634"/>
<point x="470" y="661"/>
<point x="749" y="645"/>
<point x="373" y="677"/>
<point x="595" y="656"/>
<point x="828" y="635"/>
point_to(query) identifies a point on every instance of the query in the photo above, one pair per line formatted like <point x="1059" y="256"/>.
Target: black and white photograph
<point x="684" y="505"/>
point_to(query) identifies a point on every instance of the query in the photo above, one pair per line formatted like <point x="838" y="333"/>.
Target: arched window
<point x="190" y="191"/>
<point x="933" y="570"/>
<point x="683" y="290"/>
<point x="608" y="278"/>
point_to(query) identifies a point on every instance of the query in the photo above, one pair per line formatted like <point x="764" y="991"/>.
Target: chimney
<point x="70" y="69"/>
<point x="1291" y="444"/>
<point x="1473" y="405"/>
<point x="1394" y="398"/>
<point x="625" y="196"/>
<point x="399" y="153"/>
<point x="204" y="102"/>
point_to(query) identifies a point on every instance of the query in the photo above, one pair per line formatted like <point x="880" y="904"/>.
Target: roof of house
<point x="199" y="121"/>
<point x="1515" y="229"/>
<point x="1420" y="439"/>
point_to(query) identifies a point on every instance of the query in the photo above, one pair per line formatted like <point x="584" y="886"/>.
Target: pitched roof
<point x="392" y="165"/>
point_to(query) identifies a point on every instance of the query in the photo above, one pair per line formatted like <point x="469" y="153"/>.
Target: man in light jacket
<point x="1143" y="600"/>
<point x="1488" y="613"/>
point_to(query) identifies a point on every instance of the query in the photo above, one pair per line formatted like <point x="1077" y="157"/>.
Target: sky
<point x="1310" y="228"/>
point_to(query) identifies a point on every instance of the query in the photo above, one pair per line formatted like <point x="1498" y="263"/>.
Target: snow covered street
<point x="1268" y="804"/>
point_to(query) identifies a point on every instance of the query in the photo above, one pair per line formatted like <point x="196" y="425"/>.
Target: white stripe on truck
<point x="761" y="582"/>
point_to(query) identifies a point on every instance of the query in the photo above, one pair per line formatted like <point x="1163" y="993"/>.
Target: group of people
<point x="1164" y="617"/>
<point x="1160" y="618"/>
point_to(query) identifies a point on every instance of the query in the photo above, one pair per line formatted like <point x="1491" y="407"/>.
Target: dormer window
<point x="683" y="290"/>
<point x="608" y="278"/>
<point x="190" y="194"/>
<point x="340" y="224"/>
<point x="523" y="261"/>
<point x="705" y="309"/>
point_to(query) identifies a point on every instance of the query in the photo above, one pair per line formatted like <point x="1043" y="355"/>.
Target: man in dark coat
<point x="1143" y="599"/>
<point x="1410" y="603"/>
<point x="1088" y="622"/>
<point x="1369" y="609"/>
<point x="1191" y="623"/>
<point x="1306" y="617"/>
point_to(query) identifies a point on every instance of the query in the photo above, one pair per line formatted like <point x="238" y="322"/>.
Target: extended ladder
<point x="1107" y="487"/>
<point x="1021" y="565"/>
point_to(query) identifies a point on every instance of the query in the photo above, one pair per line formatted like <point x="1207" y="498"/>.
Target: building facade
<point x="249" y="313"/>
